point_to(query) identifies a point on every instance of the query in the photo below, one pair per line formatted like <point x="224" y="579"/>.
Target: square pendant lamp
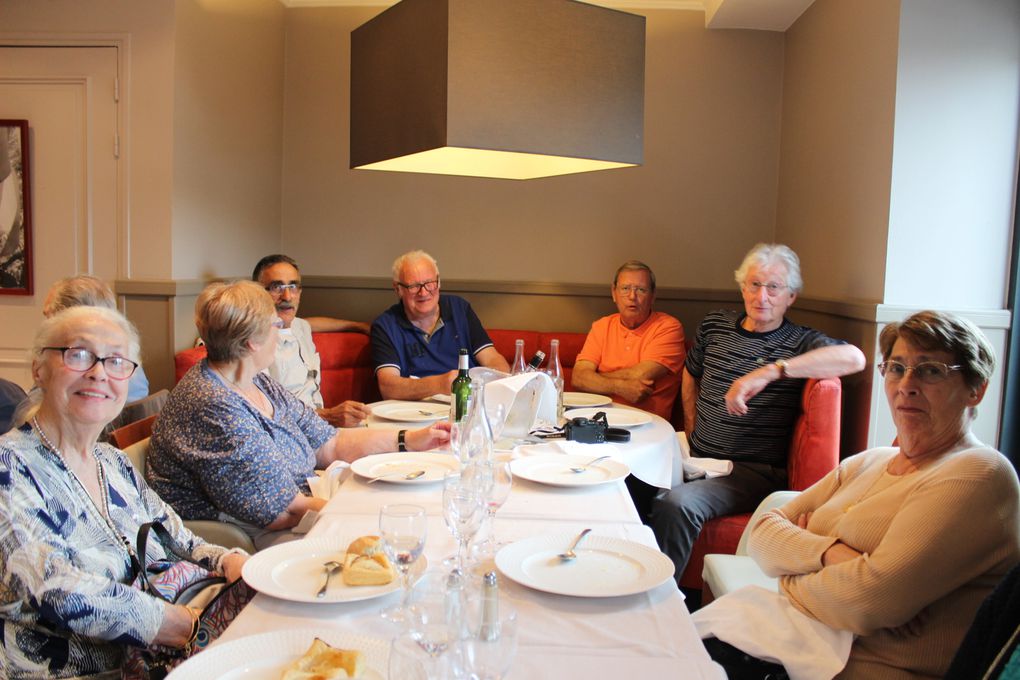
<point x="513" y="89"/>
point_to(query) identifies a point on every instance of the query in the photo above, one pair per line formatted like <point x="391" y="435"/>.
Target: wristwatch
<point x="781" y="364"/>
<point x="401" y="444"/>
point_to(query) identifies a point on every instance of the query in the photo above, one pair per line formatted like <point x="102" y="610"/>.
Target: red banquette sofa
<point x="347" y="374"/>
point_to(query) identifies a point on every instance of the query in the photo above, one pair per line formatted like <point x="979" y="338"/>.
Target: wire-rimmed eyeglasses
<point x="929" y="372"/>
<point x="277" y="287"/>
<point x="772" y="289"/>
<point x="80" y="359"/>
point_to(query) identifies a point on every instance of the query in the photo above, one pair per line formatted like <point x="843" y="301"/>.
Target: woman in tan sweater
<point x="899" y="545"/>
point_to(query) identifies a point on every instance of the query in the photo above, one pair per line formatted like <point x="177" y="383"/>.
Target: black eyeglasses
<point x="80" y="359"/>
<point x="415" y="288"/>
<point x="929" y="372"/>
<point x="277" y="288"/>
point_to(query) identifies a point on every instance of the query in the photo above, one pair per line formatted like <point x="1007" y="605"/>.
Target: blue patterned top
<point x="66" y="608"/>
<point x="213" y="452"/>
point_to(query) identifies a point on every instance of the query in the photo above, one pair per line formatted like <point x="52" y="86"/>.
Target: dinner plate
<point x="293" y="571"/>
<point x="617" y="417"/>
<point x="397" y="465"/>
<point x="411" y="411"/>
<point x="264" y="656"/>
<point x="604" y="567"/>
<point x="582" y="399"/>
<point x="554" y="469"/>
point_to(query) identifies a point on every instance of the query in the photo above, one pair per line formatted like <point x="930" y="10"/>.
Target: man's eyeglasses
<point x="771" y="289"/>
<point x="277" y="324"/>
<point x="80" y="360"/>
<point x="929" y="372"/>
<point x="627" y="290"/>
<point x="415" y="288"/>
<point x="277" y="288"/>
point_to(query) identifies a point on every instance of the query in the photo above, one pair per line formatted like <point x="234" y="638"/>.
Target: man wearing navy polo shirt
<point x="415" y="343"/>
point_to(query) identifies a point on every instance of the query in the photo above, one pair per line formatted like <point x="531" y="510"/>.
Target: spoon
<point x="584" y="467"/>
<point x="331" y="568"/>
<point x="410" y="475"/>
<point x="570" y="554"/>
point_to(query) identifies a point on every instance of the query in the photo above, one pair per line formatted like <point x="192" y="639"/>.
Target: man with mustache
<point x="297" y="365"/>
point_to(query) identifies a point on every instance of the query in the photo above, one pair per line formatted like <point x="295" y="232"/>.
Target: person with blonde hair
<point x="232" y="444"/>
<point x="89" y="291"/>
<point x="70" y="509"/>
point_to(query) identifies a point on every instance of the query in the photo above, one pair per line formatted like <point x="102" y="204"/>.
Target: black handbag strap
<point x="141" y="561"/>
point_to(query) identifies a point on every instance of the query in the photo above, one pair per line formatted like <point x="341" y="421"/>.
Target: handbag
<point x="183" y="582"/>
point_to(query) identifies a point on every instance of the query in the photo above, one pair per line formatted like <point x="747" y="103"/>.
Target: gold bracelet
<point x="196" y="624"/>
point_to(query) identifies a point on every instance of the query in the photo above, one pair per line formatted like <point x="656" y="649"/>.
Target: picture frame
<point x="15" y="208"/>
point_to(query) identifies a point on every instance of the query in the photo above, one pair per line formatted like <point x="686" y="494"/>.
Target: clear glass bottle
<point x="518" y="366"/>
<point x="460" y="391"/>
<point x="555" y="371"/>
<point x="475" y="436"/>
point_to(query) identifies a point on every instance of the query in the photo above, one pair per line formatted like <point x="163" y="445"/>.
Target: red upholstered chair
<point x="814" y="451"/>
<point x="347" y="371"/>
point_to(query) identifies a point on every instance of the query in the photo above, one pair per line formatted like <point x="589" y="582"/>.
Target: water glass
<point x="498" y="480"/>
<point x="463" y="510"/>
<point x="403" y="529"/>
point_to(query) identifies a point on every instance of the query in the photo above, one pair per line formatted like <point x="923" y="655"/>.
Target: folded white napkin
<point x="765" y="625"/>
<point x="525" y="400"/>
<point x="326" y="482"/>
<point x="563" y="446"/>
<point x="696" y="467"/>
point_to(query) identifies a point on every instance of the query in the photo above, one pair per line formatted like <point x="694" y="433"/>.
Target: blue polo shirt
<point x="399" y="343"/>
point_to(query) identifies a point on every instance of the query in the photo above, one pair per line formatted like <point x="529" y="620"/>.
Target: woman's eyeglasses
<point x="929" y="372"/>
<point x="80" y="360"/>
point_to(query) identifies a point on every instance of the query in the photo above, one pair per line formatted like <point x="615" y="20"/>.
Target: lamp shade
<point x="514" y="89"/>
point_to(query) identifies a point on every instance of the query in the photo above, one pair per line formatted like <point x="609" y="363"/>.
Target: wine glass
<point x="402" y="528"/>
<point x="497" y="420"/>
<point x="463" y="510"/>
<point x="499" y="481"/>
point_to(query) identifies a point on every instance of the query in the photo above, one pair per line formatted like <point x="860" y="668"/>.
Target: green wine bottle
<point x="460" y="391"/>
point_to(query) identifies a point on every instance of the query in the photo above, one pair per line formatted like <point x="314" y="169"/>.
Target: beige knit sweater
<point x="935" y="543"/>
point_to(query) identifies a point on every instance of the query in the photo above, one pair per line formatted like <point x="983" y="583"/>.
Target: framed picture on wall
<point x="15" y="209"/>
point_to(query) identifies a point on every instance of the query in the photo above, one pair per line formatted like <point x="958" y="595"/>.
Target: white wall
<point x="954" y="155"/>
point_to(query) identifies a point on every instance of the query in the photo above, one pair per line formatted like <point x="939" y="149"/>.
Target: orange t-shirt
<point x="611" y="346"/>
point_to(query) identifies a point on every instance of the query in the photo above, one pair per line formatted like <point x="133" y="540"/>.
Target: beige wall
<point x="228" y="121"/>
<point x="838" y="105"/>
<point x="704" y="195"/>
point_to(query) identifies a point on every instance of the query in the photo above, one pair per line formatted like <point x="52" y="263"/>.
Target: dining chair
<point x="723" y="574"/>
<point x="131" y="433"/>
<point x="217" y="533"/>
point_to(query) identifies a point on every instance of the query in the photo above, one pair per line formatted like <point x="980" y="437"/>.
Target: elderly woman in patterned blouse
<point x="234" y="445"/>
<point x="70" y="506"/>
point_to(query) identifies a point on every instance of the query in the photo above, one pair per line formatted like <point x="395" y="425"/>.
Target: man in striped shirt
<point x="741" y="389"/>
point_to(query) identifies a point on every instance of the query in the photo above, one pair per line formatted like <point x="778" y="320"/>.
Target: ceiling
<point x="764" y="15"/>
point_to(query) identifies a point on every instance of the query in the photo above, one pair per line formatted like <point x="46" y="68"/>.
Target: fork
<point x="587" y="465"/>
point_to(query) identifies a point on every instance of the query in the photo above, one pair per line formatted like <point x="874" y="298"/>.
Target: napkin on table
<point x="526" y="400"/>
<point x="323" y="485"/>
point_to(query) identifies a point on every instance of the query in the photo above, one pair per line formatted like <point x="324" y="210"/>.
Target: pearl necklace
<point x="103" y="508"/>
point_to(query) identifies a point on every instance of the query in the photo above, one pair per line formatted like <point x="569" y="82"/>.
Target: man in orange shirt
<point x="635" y="356"/>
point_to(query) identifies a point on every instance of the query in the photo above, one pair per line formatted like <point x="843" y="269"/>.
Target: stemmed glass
<point x="403" y="529"/>
<point x="498" y="482"/>
<point x="463" y="510"/>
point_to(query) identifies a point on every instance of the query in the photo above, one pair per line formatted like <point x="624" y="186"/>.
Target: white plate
<point x="617" y="417"/>
<point x="293" y="571"/>
<point x="411" y="411"/>
<point x="581" y="399"/>
<point x="605" y="566"/>
<point x="554" y="469"/>
<point x="435" y="465"/>
<point x="264" y="656"/>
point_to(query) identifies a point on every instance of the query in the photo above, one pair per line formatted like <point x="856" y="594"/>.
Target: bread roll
<point x="323" y="662"/>
<point x="366" y="563"/>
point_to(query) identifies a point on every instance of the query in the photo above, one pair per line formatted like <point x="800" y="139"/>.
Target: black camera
<point x="594" y="430"/>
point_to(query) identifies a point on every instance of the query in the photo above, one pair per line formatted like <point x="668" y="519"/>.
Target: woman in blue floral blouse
<point x="70" y="508"/>
<point x="232" y="444"/>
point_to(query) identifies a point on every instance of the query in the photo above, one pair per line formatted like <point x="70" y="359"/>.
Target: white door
<point x="67" y="94"/>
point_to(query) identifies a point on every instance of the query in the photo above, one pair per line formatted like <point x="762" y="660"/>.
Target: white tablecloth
<point x="645" y="635"/>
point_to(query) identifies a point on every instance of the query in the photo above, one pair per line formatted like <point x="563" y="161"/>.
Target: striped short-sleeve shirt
<point x="723" y="352"/>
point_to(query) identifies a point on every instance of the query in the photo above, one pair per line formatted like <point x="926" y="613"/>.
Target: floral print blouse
<point x="215" y="454"/>
<point x="67" y="607"/>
